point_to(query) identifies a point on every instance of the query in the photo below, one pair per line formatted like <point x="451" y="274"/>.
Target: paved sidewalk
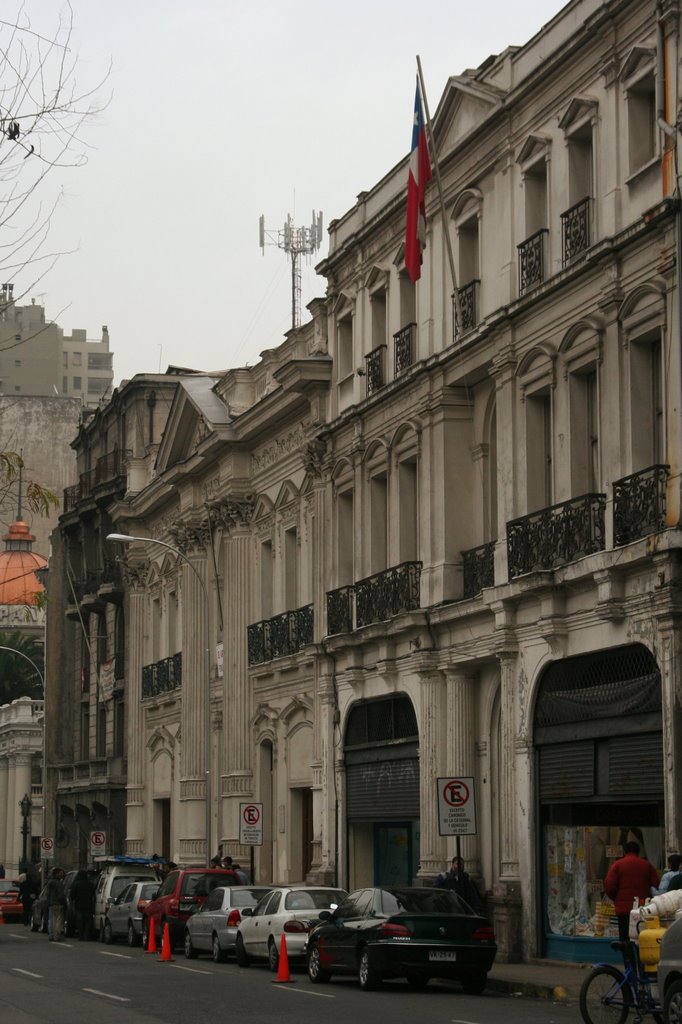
<point x="542" y="979"/>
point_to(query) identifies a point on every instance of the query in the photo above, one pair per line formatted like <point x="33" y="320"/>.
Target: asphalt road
<point x="72" y="982"/>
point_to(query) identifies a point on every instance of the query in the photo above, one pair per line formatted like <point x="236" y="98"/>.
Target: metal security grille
<point x="621" y="681"/>
<point x="636" y="765"/>
<point x="383" y="791"/>
<point x="381" y="721"/>
<point x="567" y="771"/>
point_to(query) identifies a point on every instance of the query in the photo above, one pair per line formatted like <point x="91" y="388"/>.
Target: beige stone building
<point x="400" y="550"/>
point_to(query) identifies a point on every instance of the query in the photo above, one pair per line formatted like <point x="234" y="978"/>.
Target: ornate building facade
<point x="408" y="546"/>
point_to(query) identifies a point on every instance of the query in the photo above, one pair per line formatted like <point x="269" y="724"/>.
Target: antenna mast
<point x="295" y="242"/>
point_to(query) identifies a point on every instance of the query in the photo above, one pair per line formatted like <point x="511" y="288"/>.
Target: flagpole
<point x="448" y="243"/>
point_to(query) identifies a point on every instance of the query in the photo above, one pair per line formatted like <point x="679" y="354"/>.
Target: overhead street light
<point x="124" y="538"/>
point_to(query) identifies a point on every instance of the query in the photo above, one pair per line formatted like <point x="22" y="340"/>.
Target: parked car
<point x="115" y="874"/>
<point x="413" y="933"/>
<point x="39" y="912"/>
<point x="123" y="918"/>
<point x="213" y="928"/>
<point x="670" y="973"/>
<point x="10" y="904"/>
<point x="285" y="910"/>
<point x="182" y="893"/>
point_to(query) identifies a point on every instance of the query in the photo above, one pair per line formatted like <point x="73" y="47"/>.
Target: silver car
<point x="213" y="928"/>
<point x="124" y="915"/>
<point x="286" y="910"/>
<point x="670" y="973"/>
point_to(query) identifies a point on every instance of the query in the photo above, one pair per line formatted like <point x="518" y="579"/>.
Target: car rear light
<point x="234" y="917"/>
<point x="484" y="934"/>
<point x="296" y="926"/>
<point x="106" y="906"/>
<point x="391" y="931"/>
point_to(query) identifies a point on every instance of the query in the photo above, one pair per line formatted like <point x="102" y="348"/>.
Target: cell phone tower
<point x="296" y="242"/>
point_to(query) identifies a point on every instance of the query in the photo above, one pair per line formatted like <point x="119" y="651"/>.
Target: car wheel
<point x="474" y="984"/>
<point x="672" y="1006"/>
<point x="316" y="971"/>
<point x="273" y="956"/>
<point x="108" y="933"/>
<point x="369" y="979"/>
<point x="132" y="935"/>
<point x="417" y="981"/>
<point x="190" y="951"/>
<point x="219" y="955"/>
<point x="241" y="956"/>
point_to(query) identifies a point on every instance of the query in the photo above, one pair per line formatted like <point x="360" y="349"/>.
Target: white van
<point x="115" y="874"/>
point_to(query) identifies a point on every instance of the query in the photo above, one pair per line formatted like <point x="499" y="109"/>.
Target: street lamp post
<point x="25" y="805"/>
<point x="123" y="538"/>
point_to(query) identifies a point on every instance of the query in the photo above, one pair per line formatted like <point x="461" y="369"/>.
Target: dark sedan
<point x="416" y="934"/>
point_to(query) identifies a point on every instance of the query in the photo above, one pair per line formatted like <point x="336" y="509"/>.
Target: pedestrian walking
<point x="630" y="877"/>
<point x="56" y="902"/>
<point x="674" y="865"/>
<point x="83" y="899"/>
<point x="458" y="880"/>
<point x="26" y="896"/>
<point x="240" y="873"/>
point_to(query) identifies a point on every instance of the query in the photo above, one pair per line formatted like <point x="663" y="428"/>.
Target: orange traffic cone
<point x="166" y="955"/>
<point x="151" y="937"/>
<point x="283" y="968"/>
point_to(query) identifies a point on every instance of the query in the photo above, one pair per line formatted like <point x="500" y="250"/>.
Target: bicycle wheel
<point x="605" y="996"/>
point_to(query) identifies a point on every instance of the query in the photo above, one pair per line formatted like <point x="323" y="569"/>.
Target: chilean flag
<point x="419" y="174"/>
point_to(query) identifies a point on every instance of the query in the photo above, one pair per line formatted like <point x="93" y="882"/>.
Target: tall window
<point x="408" y="300"/>
<point x="646" y="385"/>
<point x="344" y="347"/>
<point x="539" y="450"/>
<point x="583" y="395"/>
<point x="266" y="579"/>
<point x="378" y="311"/>
<point x="378" y="490"/>
<point x="580" y="165"/>
<point x="291" y="570"/>
<point x="345" y="538"/>
<point x="408" y="528"/>
<point x="85" y="732"/>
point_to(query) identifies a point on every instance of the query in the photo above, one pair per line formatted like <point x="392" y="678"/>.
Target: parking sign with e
<point x="251" y="824"/>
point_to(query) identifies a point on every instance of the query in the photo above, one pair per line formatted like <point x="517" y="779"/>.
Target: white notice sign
<point x="251" y="824"/>
<point x="456" y="807"/>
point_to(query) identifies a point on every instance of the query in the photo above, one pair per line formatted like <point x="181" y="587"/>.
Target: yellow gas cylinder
<point x="650" y="937"/>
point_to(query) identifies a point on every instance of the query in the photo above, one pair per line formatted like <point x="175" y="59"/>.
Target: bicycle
<point x="608" y="994"/>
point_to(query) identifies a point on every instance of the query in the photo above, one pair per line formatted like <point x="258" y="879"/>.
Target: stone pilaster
<point x="461" y="740"/>
<point x="4" y="779"/>
<point x="432" y="739"/>
<point x="509" y="856"/>
<point x="196" y="667"/>
<point x="22" y="785"/>
<point x="237" y="781"/>
<point x="137" y="821"/>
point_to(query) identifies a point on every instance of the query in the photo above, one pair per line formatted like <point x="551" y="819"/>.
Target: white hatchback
<point x="289" y="910"/>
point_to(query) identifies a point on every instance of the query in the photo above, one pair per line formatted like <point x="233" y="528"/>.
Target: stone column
<point x="461" y="740"/>
<point x="509" y="857"/>
<point x="195" y="693"/>
<point x="432" y="739"/>
<point x="139" y="837"/>
<point x="4" y="809"/>
<point x="22" y="785"/>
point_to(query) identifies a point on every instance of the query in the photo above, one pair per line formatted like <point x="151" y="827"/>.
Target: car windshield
<point x="119" y="883"/>
<point x="148" y="891"/>
<point x="423" y="901"/>
<point x="312" y="899"/>
<point x="199" y="884"/>
<point x="247" y="897"/>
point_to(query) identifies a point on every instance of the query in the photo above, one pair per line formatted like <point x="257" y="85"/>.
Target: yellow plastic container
<point x="650" y="937"/>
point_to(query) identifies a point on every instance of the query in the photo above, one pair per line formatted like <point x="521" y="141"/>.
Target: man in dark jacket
<point x="83" y="900"/>
<point x="629" y="877"/>
<point x="458" y="880"/>
<point x="56" y="901"/>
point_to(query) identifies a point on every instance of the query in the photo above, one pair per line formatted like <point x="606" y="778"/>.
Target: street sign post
<point x="456" y="807"/>
<point x="251" y="830"/>
<point x="98" y="843"/>
<point x="47" y="847"/>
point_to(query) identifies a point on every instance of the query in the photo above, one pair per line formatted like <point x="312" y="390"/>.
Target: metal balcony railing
<point x="468" y="304"/>
<point x="576" y="230"/>
<point x="109" y="466"/>
<point x="283" y="634"/>
<point x="374" y="599"/>
<point x="532" y="261"/>
<point x="71" y="497"/>
<point x="375" y="369"/>
<point x="556" y="535"/>
<point x="479" y="568"/>
<point x="639" y="504"/>
<point x="162" y="676"/>
<point x="404" y="344"/>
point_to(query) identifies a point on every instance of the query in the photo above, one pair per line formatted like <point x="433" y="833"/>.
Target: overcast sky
<point x="221" y="111"/>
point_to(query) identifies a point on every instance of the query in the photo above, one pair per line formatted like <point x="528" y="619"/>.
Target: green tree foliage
<point x="18" y="677"/>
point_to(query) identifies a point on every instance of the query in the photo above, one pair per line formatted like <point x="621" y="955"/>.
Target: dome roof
<point x="18" y="584"/>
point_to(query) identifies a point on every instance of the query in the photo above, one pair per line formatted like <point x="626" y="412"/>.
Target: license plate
<point x="439" y="954"/>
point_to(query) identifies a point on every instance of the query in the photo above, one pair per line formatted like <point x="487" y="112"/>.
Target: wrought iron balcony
<point x="576" y="230"/>
<point x="71" y="497"/>
<point x="109" y="466"/>
<point x="375" y="369"/>
<point x="479" y="568"/>
<point x="468" y="304"/>
<point x="385" y="594"/>
<point x="87" y="482"/>
<point x="639" y="504"/>
<point x="404" y="343"/>
<point x="556" y="535"/>
<point x="283" y="634"/>
<point x="340" y="610"/>
<point x="162" y="676"/>
<point x="532" y="261"/>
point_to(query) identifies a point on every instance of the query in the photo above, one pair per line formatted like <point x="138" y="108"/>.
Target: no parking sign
<point x="98" y="843"/>
<point x="456" y="807"/>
